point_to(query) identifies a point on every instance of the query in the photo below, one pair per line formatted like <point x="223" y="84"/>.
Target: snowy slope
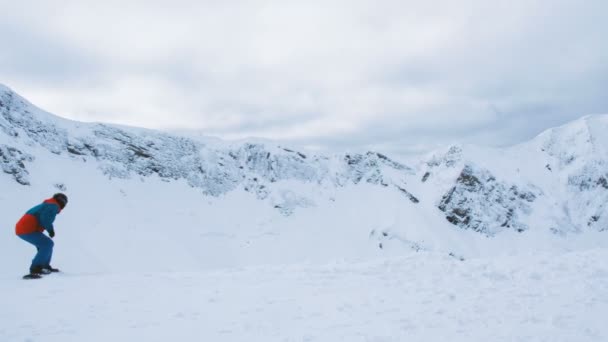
<point x="537" y="297"/>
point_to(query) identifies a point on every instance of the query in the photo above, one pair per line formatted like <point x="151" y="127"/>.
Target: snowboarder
<point x="30" y="228"/>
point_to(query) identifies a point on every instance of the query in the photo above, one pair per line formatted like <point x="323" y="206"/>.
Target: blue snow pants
<point x="44" y="245"/>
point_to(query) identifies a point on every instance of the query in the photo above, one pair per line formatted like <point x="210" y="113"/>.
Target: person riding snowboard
<point x="30" y="228"/>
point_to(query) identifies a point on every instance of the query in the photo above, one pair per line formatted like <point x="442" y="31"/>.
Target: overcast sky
<point x="389" y="75"/>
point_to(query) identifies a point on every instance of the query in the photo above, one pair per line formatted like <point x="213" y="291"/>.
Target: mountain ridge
<point x="556" y="180"/>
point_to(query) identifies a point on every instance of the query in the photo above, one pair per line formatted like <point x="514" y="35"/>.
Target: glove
<point x="52" y="234"/>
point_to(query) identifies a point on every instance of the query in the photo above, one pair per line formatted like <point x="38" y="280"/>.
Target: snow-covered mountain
<point x="214" y="168"/>
<point x="264" y="202"/>
<point x="172" y="237"/>
<point x="557" y="182"/>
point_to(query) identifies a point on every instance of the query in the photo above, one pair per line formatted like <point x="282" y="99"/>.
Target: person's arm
<point x="47" y="217"/>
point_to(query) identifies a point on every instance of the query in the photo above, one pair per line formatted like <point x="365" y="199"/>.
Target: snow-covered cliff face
<point x="471" y="196"/>
<point x="556" y="182"/>
<point x="577" y="154"/>
<point x="215" y="168"/>
<point x="479" y="202"/>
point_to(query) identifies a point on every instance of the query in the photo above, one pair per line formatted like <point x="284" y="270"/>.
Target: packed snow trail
<point x="424" y="297"/>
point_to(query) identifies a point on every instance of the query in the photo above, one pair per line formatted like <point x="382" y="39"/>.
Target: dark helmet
<point x="62" y="199"/>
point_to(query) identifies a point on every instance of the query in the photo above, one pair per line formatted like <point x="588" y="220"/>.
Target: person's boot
<point x="50" y="269"/>
<point x="39" y="270"/>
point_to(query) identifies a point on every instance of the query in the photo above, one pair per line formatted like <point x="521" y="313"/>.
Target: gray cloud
<point x="36" y="57"/>
<point x="401" y="75"/>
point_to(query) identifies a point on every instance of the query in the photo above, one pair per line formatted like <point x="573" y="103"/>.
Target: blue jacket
<point x="39" y="218"/>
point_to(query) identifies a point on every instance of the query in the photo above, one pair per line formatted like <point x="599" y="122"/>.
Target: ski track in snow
<point x="424" y="297"/>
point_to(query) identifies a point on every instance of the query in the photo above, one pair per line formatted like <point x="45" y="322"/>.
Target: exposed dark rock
<point x="590" y="177"/>
<point x="603" y="182"/>
<point x="408" y="194"/>
<point x="481" y="203"/>
<point x="12" y="162"/>
<point x="593" y="219"/>
<point x="458" y="257"/>
<point x="75" y="150"/>
<point x="426" y="177"/>
<point x="140" y="151"/>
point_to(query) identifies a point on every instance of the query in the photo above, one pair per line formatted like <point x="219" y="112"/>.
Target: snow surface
<point x="540" y="297"/>
<point x="168" y="238"/>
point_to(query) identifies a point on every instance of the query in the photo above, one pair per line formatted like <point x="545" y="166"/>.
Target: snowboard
<point x="38" y="275"/>
<point x="32" y="276"/>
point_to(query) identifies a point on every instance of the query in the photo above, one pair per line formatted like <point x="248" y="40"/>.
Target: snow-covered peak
<point x="19" y="108"/>
<point x="576" y="142"/>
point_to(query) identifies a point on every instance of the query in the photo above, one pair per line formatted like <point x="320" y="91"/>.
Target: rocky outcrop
<point x="590" y="188"/>
<point x="12" y="162"/>
<point x="480" y="202"/>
